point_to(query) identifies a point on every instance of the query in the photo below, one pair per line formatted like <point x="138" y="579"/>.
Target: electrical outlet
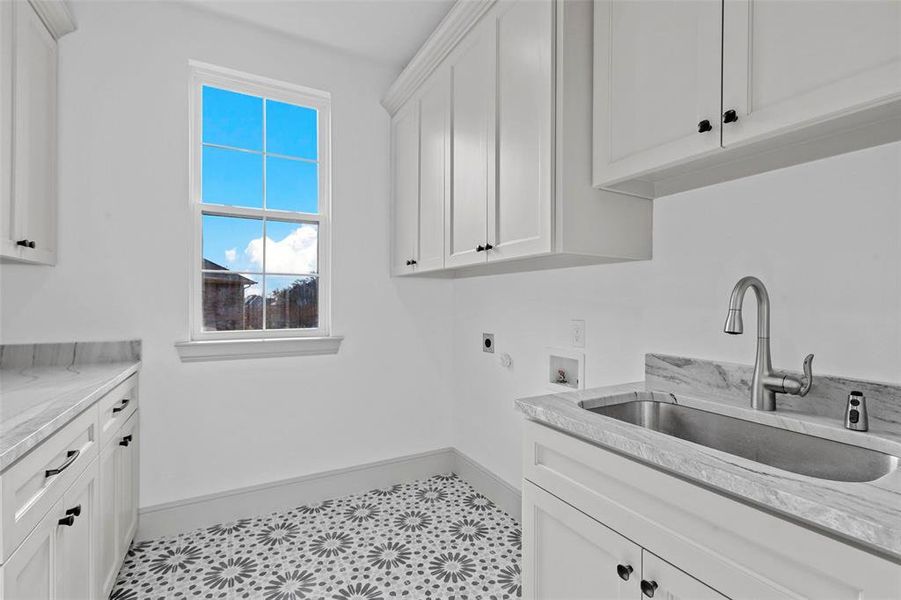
<point x="577" y="333"/>
<point x="488" y="342"/>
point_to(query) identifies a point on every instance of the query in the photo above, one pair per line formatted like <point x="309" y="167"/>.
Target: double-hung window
<point x="260" y="195"/>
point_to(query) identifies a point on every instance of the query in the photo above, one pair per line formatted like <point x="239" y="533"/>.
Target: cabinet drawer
<point x="33" y="484"/>
<point x="116" y="407"/>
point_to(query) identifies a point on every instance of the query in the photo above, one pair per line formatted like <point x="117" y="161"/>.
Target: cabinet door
<point x="472" y="145"/>
<point x="568" y="555"/>
<point x="434" y="168"/>
<point x="28" y="573"/>
<point x="657" y="77"/>
<point x="405" y="140"/>
<point x="108" y="548"/>
<point x="127" y="504"/>
<point x="519" y="221"/>
<point x="77" y="544"/>
<point x="7" y="231"/>
<point x="665" y="581"/>
<point x="790" y="62"/>
<point x="34" y="145"/>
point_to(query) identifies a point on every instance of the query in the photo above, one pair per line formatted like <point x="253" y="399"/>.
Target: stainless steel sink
<point x="788" y="450"/>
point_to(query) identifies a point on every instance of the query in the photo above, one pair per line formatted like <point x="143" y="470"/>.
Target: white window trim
<point x="217" y="345"/>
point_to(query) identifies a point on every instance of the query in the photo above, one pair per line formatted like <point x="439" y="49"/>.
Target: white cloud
<point x="231" y="255"/>
<point x="295" y="253"/>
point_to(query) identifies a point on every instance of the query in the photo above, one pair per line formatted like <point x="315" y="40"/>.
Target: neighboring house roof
<point x="226" y="276"/>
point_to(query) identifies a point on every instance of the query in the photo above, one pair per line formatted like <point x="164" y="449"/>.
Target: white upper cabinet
<point x="657" y="84"/>
<point x="503" y="94"/>
<point x="28" y="124"/>
<point x="473" y="146"/>
<point x="792" y="62"/>
<point x="405" y="167"/>
<point x="519" y="221"/>
<point x="778" y="82"/>
<point x="434" y="181"/>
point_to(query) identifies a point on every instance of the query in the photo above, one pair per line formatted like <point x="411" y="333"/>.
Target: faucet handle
<point x="808" y="376"/>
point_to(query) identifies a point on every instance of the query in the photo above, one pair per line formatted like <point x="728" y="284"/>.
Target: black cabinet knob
<point x="624" y="571"/>
<point x="75" y="511"/>
<point x="125" y="440"/>
<point x="648" y="588"/>
<point x="480" y="248"/>
<point x="26" y="243"/>
<point x="488" y="246"/>
<point x="68" y="520"/>
<point x="730" y="116"/>
<point x="408" y="262"/>
<point x="704" y="126"/>
<point x="31" y="244"/>
<point x="412" y="261"/>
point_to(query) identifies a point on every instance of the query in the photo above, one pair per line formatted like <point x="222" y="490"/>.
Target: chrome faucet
<point x="766" y="383"/>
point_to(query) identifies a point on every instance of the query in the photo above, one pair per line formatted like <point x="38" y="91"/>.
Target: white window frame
<point x="201" y="75"/>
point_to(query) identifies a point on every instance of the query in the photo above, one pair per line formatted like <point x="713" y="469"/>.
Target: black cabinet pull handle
<point x="408" y="262"/>
<point x="75" y="511"/>
<point x="125" y="440"/>
<point x="730" y="116"/>
<point x="624" y="571"/>
<point x="488" y="246"/>
<point x="122" y="406"/>
<point x="68" y="521"/>
<point x="71" y="457"/>
<point x="412" y="261"/>
<point x="26" y="243"/>
<point x="648" y="588"/>
<point x="704" y="126"/>
<point x="480" y="248"/>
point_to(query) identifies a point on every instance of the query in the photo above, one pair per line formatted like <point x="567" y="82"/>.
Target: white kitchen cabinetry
<point x="28" y="124"/>
<point x="473" y="146"/>
<point x="71" y="512"/>
<point x="581" y="500"/>
<point x="569" y="555"/>
<point x="421" y="145"/>
<point x="778" y="82"/>
<point x="515" y="181"/>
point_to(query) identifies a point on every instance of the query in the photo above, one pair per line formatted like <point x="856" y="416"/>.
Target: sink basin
<point x="780" y="448"/>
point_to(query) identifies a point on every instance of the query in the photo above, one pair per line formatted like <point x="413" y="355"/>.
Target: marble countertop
<point x="867" y="514"/>
<point x="37" y="401"/>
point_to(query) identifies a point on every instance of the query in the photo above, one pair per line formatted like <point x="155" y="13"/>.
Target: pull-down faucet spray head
<point x="734" y="324"/>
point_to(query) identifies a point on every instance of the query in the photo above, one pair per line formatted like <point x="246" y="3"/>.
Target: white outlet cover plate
<point x="577" y="333"/>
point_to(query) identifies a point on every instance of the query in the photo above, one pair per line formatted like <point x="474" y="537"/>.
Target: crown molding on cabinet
<point x="56" y="15"/>
<point x="458" y="21"/>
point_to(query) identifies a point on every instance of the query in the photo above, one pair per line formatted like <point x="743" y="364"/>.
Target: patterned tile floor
<point x="435" y="538"/>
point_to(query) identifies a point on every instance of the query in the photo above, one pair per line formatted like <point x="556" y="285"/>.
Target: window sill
<point x="206" y="350"/>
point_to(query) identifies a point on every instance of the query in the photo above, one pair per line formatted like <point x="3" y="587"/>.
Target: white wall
<point x="125" y="245"/>
<point x="825" y="237"/>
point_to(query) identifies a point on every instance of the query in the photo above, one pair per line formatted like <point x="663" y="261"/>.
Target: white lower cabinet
<point x="567" y="554"/>
<point x="75" y="550"/>
<point x="599" y="525"/>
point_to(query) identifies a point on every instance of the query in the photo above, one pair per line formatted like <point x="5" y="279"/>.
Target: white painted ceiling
<point x="386" y="31"/>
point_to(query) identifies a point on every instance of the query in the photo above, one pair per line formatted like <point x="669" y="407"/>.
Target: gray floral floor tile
<point x="435" y="538"/>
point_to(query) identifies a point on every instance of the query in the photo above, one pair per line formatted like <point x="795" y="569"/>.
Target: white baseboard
<point x="202" y="511"/>
<point x="487" y="483"/>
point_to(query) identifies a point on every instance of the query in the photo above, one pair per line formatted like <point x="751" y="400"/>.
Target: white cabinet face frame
<point x="657" y="76"/>
<point x="792" y="63"/>
<point x="7" y="228"/>
<point x="200" y="75"/>
<point x="520" y="220"/>
<point x="473" y="166"/>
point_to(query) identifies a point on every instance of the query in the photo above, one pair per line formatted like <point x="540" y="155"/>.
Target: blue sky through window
<point x="238" y="170"/>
